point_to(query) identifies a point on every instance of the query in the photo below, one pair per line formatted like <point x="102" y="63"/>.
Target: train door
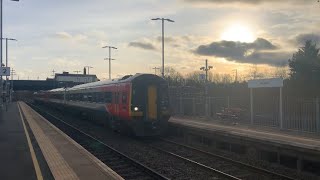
<point x="118" y="101"/>
<point x="152" y="102"/>
<point x="123" y="104"/>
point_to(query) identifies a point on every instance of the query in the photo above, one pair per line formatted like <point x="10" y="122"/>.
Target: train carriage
<point x="138" y="103"/>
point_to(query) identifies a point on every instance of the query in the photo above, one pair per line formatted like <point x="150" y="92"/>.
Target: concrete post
<point x="251" y="106"/>
<point x="281" y="109"/>
<point x="181" y="106"/>
<point x="1" y="85"/>
<point x="194" y="106"/>
<point x="228" y="101"/>
<point x="317" y="115"/>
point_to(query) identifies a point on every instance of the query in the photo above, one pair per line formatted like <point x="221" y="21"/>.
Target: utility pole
<point x="53" y="71"/>
<point x="206" y="68"/>
<point x="110" y="47"/>
<point x="155" y="70"/>
<point x="162" y="20"/>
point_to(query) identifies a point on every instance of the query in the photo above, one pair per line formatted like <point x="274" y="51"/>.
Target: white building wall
<point x="82" y="79"/>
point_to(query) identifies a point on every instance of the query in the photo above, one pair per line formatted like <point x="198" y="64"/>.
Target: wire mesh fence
<point x="301" y="114"/>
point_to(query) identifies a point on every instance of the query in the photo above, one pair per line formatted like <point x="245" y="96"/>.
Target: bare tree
<point x="281" y="72"/>
<point x="173" y="77"/>
<point x="255" y="73"/>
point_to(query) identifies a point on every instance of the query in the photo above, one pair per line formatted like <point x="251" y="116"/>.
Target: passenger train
<point x="138" y="103"/>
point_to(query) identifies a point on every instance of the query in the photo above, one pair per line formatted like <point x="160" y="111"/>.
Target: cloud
<point x="66" y="35"/>
<point x="142" y="45"/>
<point x="63" y="35"/>
<point x="302" y="38"/>
<point x="261" y="51"/>
<point x="253" y="2"/>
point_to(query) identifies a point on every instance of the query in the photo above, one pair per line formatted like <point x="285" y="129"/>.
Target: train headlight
<point x="136" y="109"/>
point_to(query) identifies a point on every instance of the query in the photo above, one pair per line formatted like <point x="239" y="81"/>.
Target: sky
<point x="68" y="35"/>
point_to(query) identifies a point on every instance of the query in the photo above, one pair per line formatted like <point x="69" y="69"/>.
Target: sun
<point x="238" y="32"/>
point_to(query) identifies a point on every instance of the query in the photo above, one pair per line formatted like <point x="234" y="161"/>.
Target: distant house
<point x="75" y="78"/>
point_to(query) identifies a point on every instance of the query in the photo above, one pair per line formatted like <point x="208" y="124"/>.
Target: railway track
<point x="125" y="166"/>
<point x="224" y="166"/>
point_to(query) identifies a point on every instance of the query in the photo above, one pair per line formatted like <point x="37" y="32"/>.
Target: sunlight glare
<point x="238" y="32"/>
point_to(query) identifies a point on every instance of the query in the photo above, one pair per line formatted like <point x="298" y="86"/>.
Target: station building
<point x="60" y="80"/>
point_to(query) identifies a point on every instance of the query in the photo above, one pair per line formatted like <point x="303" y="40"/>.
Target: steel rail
<point x="257" y="169"/>
<point x="198" y="164"/>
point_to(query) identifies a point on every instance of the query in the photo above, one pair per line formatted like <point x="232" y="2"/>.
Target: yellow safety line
<point x="33" y="155"/>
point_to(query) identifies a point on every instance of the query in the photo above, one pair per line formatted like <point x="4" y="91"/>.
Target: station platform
<point x="32" y="148"/>
<point x="310" y="142"/>
<point x="16" y="161"/>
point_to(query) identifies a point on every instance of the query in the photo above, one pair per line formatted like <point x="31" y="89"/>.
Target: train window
<point x="116" y="98"/>
<point x="85" y="97"/>
<point x="81" y="97"/>
<point x="90" y="98"/>
<point x="100" y="97"/>
<point x="108" y="97"/>
<point x="76" y="97"/>
<point x="124" y="98"/>
<point x="94" y="97"/>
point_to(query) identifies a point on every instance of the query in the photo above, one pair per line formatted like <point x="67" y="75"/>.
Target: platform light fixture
<point x="206" y="68"/>
<point x="6" y="65"/>
<point x="162" y="20"/>
<point x="1" y="27"/>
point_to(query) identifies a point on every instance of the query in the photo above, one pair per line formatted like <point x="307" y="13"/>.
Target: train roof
<point x="127" y="78"/>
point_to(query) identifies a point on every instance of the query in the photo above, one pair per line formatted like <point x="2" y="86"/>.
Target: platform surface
<point x="66" y="159"/>
<point x="15" y="157"/>
<point x="267" y="135"/>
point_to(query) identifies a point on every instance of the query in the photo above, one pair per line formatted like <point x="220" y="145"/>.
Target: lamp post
<point x="1" y="82"/>
<point x="109" y="47"/>
<point x="162" y="20"/>
<point x="206" y="68"/>
<point x="7" y="39"/>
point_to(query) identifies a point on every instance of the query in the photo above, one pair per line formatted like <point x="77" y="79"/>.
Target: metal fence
<point x="301" y="114"/>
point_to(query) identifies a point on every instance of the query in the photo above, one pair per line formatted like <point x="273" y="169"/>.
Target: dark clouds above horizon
<point x="142" y="45"/>
<point x="302" y="38"/>
<point x="292" y="2"/>
<point x="261" y="51"/>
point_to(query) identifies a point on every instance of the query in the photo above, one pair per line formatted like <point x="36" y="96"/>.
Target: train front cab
<point x="149" y="106"/>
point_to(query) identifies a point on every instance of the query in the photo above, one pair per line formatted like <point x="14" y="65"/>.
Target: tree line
<point x="301" y="75"/>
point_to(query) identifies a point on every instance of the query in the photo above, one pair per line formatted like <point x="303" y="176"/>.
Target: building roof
<point x="75" y="75"/>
